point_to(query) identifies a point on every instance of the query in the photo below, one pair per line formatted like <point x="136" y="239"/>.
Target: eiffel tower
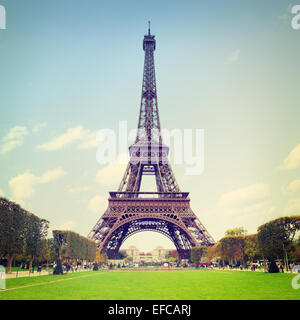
<point x="166" y="211"/>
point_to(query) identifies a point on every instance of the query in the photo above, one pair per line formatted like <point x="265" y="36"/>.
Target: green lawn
<point x="151" y="285"/>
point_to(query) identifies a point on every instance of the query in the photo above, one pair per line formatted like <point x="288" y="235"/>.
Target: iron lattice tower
<point x="166" y="211"/>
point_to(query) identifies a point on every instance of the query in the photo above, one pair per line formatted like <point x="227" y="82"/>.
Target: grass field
<point x="151" y="285"/>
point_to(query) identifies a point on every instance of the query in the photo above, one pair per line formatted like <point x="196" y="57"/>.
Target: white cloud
<point x="247" y="207"/>
<point x="23" y="186"/>
<point x="78" y="190"/>
<point x="89" y="141"/>
<point x="1" y="193"/>
<point x="13" y="139"/>
<point x="85" y="138"/>
<point x="72" y="134"/>
<point x="234" y="56"/>
<point x="292" y="161"/>
<point x="68" y="225"/>
<point x="113" y="173"/>
<point x="97" y="204"/>
<point x="39" y="126"/>
<point x="51" y="175"/>
<point x="254" y="208"/>
<point x="244" y="196"/>
<point x="292" y="187"/>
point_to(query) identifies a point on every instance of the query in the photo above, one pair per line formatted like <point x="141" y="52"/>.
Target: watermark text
<point x="296" y="19"/>
<point x="2" y="18"/>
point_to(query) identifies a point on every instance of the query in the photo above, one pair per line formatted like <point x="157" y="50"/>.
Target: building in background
<point x="134" y="253"/>
<point x="157" y="255"/>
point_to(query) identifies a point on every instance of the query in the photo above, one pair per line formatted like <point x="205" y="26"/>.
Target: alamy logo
<point x="296" y="19"/>
<point x="2" y="18"/>
<point x="295" y="283"/>
<point x="2" y="278"/>
<point x="188" y="147"/>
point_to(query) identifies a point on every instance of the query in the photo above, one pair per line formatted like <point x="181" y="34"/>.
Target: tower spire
<point x="149" y="124"/>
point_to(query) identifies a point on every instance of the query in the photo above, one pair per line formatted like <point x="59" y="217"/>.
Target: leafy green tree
<point x="197" y="253"/>
<point x="121" y="255"/>
<point x="294" y="251"/>
<point x="36" y="233"/>
<point x="214" y="252"/>
<point x="239" y="231"/>
<point x="232" y="249"/>
<point x="72" y="246"/>
<point x="43" y="252"/>
<point x="168" y="254"/>
<point x="252" y="250"/>
<point x="12" y="230"/>
<point x="172" y="259"/>
<point x="103" y="258"/>
<point x="274" y="237"/>
<point x="18" y="228"/>
<point x="53" y="253"/>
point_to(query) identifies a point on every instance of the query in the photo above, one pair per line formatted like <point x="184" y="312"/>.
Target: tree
<point x="294" y="251"/>
<point x="232" y="249"/>
<point x="72" y="246"/>
<point x="214" y="252"/>
<point x="269" y="240"/>
<point x="197" y="253"/>
<point x="239" y="231"/>
<point x="36" y="232"/>
<point x="252" y="250"/>
<point x="12" y="230"/>
<point x="53" y="253"/>
<point x="168" y="254"/>
<point x="20" y="231"/>
<point x="43" y="251"/>
<point x="274" y="237"/>
<point x="121" y="255"/>
<point x="104" y="258"/>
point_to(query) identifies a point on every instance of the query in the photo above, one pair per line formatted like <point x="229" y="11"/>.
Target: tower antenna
<point x="149" y="24"/>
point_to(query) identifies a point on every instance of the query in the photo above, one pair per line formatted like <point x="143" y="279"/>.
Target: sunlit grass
<point x="151" y="285"/>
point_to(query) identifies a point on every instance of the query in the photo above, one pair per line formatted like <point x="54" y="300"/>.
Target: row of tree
<point x="23" y="238"/>
<point x="72" y="246"/>
<point x="275" y="240"/>
<point x="21" y="233"/>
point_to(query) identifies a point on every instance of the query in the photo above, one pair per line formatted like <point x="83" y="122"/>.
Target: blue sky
<point x="70" y="68"/>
